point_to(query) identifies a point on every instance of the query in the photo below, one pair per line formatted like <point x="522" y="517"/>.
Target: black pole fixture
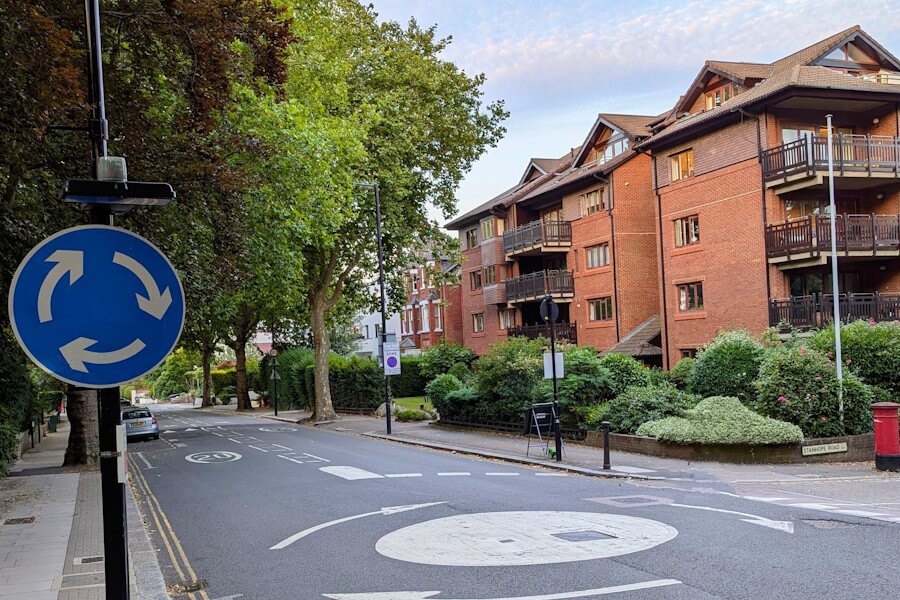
<point x="605" y="427"/>
<point x="550" y="312"/>
<point x="115" y="527"/>
<point x="387" y="380"/>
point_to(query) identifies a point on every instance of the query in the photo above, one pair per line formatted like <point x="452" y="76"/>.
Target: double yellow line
<point x="167" y="534"/>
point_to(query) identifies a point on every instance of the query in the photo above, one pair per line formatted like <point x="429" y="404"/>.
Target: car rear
<point x="140" y="423"/>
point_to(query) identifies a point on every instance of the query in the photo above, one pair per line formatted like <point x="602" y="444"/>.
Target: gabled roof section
<point x="481" y="209"/>
<point x="539" y="166"/>
<point x="635" y="127"/>
<point x="639" y="341"/>
<point x="819" y="49"/>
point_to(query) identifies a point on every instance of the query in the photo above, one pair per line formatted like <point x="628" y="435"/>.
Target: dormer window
<point x="721" y="95"/>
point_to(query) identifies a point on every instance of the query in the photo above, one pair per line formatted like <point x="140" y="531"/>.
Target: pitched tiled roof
<point x="548" y="165"/>
<point x="482" y="208"/>
<point x="635" y="126"/>
<point x="637" y="342"/>
<point x="742" y="70"/>
<point x="796" y="77"/>
<point x="810" y="53"/>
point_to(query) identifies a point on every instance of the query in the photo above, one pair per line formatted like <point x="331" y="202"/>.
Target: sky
<point x="556" y="64"/>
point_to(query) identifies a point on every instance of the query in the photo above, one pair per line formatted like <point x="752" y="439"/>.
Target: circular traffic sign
<point x="522" y="538"/>
<point x="208" y="458"/>
<point x="96" y="306"/>
<point x="392" y="362"/>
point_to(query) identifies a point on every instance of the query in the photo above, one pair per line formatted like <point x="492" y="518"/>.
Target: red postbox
<point x="887" y="436"/>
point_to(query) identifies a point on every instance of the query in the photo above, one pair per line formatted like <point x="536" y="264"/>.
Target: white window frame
<point x="597" y="256"/>
<point x="507" y="318"/>
<point x="423" y="317"/>
<point x="592" y="311"/>
<point x="478" y="324"/>
<point x="438" y="315"/>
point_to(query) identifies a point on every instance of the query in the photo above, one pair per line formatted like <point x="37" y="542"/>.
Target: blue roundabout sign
<point x="96" y="306"/>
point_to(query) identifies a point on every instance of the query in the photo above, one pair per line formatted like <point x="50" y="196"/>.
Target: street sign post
<point x="96" y="306"/>
<point x="392" y="358"/>
<point x="550" y="313"/>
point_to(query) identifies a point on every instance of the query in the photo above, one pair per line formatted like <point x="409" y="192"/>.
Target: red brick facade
<point x="431" y="313"/>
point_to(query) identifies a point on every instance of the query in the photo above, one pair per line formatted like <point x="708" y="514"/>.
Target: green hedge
<point x="728" y="366"/>
<point x="722" y="420"/>
<point x="439" y="359"/>
<point x="506" y="379"/>
<point x="439" y="388"/>
<point x="624" y="372"/>
<point x="638" y="405"/>
<point x="410" y="381"/>
<point x="871" y="350"/>
<point x="799" y="385"/>
<point x="17" y="394"/>
<point x="221" y="379"/>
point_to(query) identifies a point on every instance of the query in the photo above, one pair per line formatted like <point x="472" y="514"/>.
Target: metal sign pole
<point x="387" y="379"/>
<point x="115" y="528"/>
<point x="835" y="287"/>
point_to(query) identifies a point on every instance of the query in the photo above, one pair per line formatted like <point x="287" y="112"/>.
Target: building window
<point x="593" y="202"/>
<point x="475" y="280"/>
<point x="490" y="275"/>
<point x="438" y="316"/>
<point x="415" y="280"/>
<point x="687" y="231"/>
<point x="688" y="353"/>
<point x="487" y="228"/>
<point x="600" y="309"/>
<point x="597" y="256"/>
<point x="690" y="296"/>
<point x="423" y="314"/>
<point x="471" y="238"/>
<point x="478" y="322"/>
<point x="721" y="95"/>
<point x="681" y="165"/>
<point x="507" y="318"/>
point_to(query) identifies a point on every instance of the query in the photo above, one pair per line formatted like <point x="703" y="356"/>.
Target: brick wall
<point x="719" y="149"/>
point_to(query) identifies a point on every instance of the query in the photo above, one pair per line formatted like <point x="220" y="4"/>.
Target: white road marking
<point x="147" y="464"/>
<point x="181" y="445"/>
<point x="299" y="462"/>
<point x="235" y="441"/>
<point x="190" y="429"/>
<point x="760" y="498"/>
<point x="250" y="437"/>
<point x="861" y="513"/>
<point x="389" y="510"/>
<point x="351" y="473"/>
<point x="399" y="475"/>
<point x="786" y="526"/>
<point x="643" y="585"/>
<point x="502" y="474"/>
<point x="812" y="506"/>
<point x="632" y="470"/>
<point x="551" y="474"/>
<point x="282" y="447"/>
<point x="218" y="434"/>
<point x="219" y="456"/>
<point x="455" y="474"/>
<point x="316" y="457"/>
<point x="521" y="538"/>
<point x="257" y="448"/>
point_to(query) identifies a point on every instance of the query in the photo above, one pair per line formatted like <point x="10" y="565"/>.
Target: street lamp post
<point x="835" y="288"/>
<point x="387" y="381"/>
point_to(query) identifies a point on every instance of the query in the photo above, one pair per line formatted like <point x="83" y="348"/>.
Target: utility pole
<point x="115" y="529"/>
<point x="387" y="379"/>
<point x="835" y="287"/>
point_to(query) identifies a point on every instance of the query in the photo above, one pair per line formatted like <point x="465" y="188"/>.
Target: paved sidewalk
<point x="56" y="551"/>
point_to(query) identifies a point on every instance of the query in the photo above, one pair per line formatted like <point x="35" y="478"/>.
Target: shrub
<point x="680" y="374"/>
<point x="49" y="400"/>
<point x="800" y="386"/>
<point x="638" y="405"/>
<point x="227" y="394"/>
<point x="624" y="372"/>
<point x="585" y="384"/>
<point x="16" y="396"/>
<point x="355" y="382"/>
<point x="410" y="415"/>
<point x="461" y="371"/>
<point x="592" y="416"/>
<point x="722" y="420"/>
<point x="461" y="405"/>
<point x="727" y="366"/>
<point x="222" y="379"/>
<point x="170" y="378"/>
<point x="410" y="381"/>
<point x="507" y="377"/>
<point x="255" y="381"/>
<point x="438" y="359"/>
<point x="871" y="350"/>
<point x="292" y="368"/>
<point x="438" y="389"/>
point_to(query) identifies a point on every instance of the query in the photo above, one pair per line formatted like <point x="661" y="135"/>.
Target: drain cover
<point x="19" y="521"/>
<point x="582" y="536"/>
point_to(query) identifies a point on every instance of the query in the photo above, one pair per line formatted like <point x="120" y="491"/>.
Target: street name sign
<point x="96" y="306"/>
<point x="824" y="448"/>
<point x="391" y="358"/>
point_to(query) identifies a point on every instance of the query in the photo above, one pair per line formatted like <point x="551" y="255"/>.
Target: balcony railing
<point x="891" y="78"/>
<point x="564" y="331"/>
<point x="855" y="233"/>
<point x="817" y="310"/>
<point x="852" y="154"/>
<point x="541" y="283"/>
<point x="536" y="234"/>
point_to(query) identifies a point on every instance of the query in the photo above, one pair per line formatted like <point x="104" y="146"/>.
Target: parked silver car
<point x="140" y="422"/>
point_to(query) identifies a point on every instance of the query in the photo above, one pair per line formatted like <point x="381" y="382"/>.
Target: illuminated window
<point x="681" y="165"/>
<point x="597" y="256"/>
<point x="687" y="231"/>
<point x="487" y="228"/>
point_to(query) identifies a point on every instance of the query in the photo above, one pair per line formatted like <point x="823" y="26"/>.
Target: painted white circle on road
<point x="208" y="458"/>
<point x="522" y="538"/>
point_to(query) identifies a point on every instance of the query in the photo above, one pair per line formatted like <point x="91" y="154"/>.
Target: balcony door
<point x="819" y="282"/>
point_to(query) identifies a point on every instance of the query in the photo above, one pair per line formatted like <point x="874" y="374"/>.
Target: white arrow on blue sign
<point x="96" y="306"/>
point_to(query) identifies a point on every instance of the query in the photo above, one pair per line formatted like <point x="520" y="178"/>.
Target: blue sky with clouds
<point x="558" y="63"/>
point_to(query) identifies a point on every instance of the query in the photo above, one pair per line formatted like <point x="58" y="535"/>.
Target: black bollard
<point x="605" y="427"/>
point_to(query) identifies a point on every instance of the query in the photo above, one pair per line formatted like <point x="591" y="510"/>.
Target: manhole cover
<point x="828" y="523"/>
<point x="19" y="521"/>
<point x="582" y="536"/>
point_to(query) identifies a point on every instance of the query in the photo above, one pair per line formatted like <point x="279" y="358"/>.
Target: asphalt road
<point x="305" y="514"/>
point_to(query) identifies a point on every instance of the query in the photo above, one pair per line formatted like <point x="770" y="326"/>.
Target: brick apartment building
<point x="658" y="232"/>
<point x="432" y="311"/>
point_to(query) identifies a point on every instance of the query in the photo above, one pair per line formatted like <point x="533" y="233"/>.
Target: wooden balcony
<point x="534" y="286"/>
<point x="538" y="237"/>
<point x="817" y="310"/>
<point x="567" y="332"/>
<point x="804" y="162"/>
<point x="806" y="241"/>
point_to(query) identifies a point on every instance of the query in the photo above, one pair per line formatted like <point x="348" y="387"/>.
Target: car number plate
<point x="137" y="423"/>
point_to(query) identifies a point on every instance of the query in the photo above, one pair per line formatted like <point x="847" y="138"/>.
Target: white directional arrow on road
<point x="67" y="261"/>
<point x="389" y="510"/>
<point x="77" y="354"/>
<point x="155" y="303"/>
<point x="785" y="526"/>
<point x="615" y="589"/>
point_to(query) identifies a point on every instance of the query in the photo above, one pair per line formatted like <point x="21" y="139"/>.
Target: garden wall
<point x="859" y="448"/>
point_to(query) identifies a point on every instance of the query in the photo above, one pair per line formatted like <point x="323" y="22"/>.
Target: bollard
<point x="605" y="427"/>
<point x="887" y="438"/>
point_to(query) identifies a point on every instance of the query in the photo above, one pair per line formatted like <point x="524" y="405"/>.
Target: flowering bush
<point x="871" y="350"/>
<point x="727" y="366"/>
<point x="799" y="385"/>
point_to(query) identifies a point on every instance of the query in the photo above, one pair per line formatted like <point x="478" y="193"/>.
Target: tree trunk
<point x="207" y="379"/>
<point x="323" y="409"/>
<point x="84" y="428"/>
<point x="240" y="373"/>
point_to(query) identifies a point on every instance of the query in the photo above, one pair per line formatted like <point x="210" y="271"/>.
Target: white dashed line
<point x="552" y="474"/>
<point x="503" y="474"/>
<point x="400" y="475"/>
<point x="299" y="462"/>
<point x="280" y="446"/>
<point x="257" y="448"/>
<point x="632" y="470"/>
<point x="455" y="474"/>
<point x="316" y="457"/>
<point x="350" y="473"/>
<point x="235" y="441"/>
